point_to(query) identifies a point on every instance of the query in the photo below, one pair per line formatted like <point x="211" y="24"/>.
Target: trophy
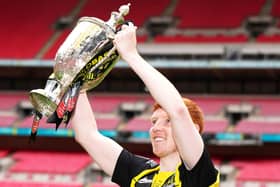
<point x="81" y="63"/>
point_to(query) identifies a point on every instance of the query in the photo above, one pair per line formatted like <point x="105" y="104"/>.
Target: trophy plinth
<point x="42" y="102"/>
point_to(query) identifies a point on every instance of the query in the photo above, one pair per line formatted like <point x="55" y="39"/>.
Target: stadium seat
<point x="107" y="123"/>
<point x="258" y="127"/>
<point x="27" y="123"/>
<point x="9" y="100"/>
<point x="275" y="11"/>
<point x="274" y="38"/>
<point x="220" y="38"/>
<point x="214" y="105"/>
<point x="49" y="162"/>
<point x="261" y="170"/>
<point x="215" y="14"/>
<point x="104" y="185"/>
<point x="266" y="106"/>
<point x="215" y="126"/>
<point x="33" y="26"/>
<point x="3" y="153"/>
<point x="137" y="124"/>
<point x="7" y="121"/>
<point x="35" y="184"/>
<point x="140" y="10"/>
<point x="110" y="103"/>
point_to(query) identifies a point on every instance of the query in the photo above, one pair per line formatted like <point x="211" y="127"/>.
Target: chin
<point x="158" y="153"/>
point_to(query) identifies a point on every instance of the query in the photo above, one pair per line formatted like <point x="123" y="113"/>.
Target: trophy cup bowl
<point x="87" y="55"/>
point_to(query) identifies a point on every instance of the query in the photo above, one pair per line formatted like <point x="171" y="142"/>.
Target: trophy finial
<point x="118" y="17"/>
<point x="124" y="9"/>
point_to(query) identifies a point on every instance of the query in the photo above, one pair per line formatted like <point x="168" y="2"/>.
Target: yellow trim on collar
<point x="143" y="173"/>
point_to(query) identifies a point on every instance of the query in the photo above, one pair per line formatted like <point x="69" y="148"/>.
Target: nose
<point x="156" y="126"/>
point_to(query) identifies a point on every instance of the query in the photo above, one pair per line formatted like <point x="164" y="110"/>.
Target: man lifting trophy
<point x="81" y="63"/>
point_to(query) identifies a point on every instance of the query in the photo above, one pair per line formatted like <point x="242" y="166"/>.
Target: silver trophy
<point x="81" y="63"/>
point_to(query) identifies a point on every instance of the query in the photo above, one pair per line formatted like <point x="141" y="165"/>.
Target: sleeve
<point x="203" y="174"/>
<point x="128" y="165"/>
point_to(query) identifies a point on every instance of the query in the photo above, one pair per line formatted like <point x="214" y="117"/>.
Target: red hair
<point x="194" y="110"/>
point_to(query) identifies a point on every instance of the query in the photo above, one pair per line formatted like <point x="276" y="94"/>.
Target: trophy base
<point x="42" y="103"/>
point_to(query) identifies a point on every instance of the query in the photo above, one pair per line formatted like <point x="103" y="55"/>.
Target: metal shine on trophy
<point x="81" y="63"/>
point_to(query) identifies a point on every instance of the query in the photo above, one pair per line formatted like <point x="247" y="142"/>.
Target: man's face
<point x="161" y="134"/>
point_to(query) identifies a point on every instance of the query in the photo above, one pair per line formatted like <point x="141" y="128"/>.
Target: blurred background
<point x="225" y="55"/>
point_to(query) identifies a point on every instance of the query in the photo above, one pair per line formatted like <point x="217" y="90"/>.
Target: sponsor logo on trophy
<point x="81" y="63"/>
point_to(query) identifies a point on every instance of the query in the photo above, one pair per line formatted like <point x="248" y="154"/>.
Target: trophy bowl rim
<point x="95" y="20"/>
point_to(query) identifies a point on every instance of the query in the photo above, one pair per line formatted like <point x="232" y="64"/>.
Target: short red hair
<point x="194" y="110"/>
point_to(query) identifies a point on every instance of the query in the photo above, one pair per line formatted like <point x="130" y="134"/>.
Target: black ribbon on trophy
<point x="81" y="63"/>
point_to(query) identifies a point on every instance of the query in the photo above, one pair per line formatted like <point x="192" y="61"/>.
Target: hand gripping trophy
<point x="81" y="63"/>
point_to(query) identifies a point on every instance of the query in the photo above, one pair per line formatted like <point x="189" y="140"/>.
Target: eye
<point x="153" y="121"/>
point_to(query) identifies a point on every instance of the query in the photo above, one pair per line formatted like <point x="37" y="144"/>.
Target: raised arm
<point x="187" y="138"/>
<point x="102" y="149"/>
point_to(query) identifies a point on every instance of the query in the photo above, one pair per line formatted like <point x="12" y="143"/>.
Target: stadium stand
<point x="103" y="185"/>
<point x="219" y="38"/>
<point x="3" y="153"/>
<point x="265" y="106"/>
<point x="215" y="126"/>
<point x="142" y="9"/>
<point x="214" y="105"/>
<point x="38" y="184"/>
<point x="257" y="170"/>
<point x="207" y="48"/>
<point x="27" y="121"/>
<point x="217" y="14"/>
<point x="49" y="162"/>
<point x="9" y="100"/>
<point x="7" y="121"/>
<point x="275" y="38"/>
<point x="108" y="123"/>
<point x="33" y="23"/>
<point x="258" y="127"/>
<point x="137" y="124"/>
<point x="275" y="11"/>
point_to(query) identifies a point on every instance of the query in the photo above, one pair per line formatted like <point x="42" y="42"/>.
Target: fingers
<point x="128" y="25"/>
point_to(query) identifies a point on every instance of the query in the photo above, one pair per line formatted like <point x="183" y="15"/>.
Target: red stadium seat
<point x="7" y="121"/>
<point x="201" y="39"/>
<point x="266" y="106"/>
<point x="140" y="10"/>
<point x="275" y="11"/>
<point x="215" y="14"/>
<point x="259" y="170"/>
<point x="258" y="127"/>
<point x="104" y="185"/>
<point x="137" y="124"/>
<point x="3" y="153"/>
<point x="215" y="126"/>
<point x="29" y="25"/>
<point x="49" y="162"/>
<point x="275" y="38"/>
<point x="214" y="105"/>
<point x="35" y="184"/>
<point x="8" y="100"/>
<point x="109" y="103"/>
<point x="107" y="123"/>
<point x="142" y="38"/>
<point x="27" y="123"/>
